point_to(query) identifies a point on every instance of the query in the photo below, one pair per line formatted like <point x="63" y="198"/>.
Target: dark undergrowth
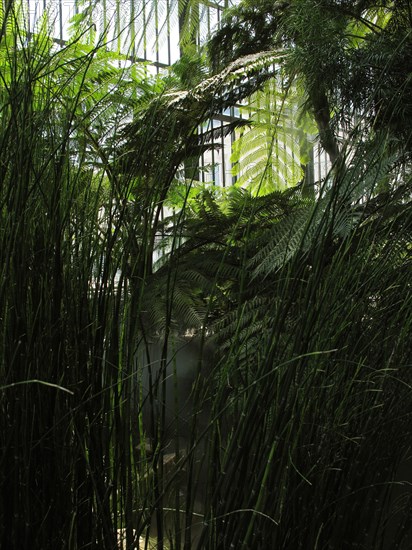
<point x="251" y="388"/>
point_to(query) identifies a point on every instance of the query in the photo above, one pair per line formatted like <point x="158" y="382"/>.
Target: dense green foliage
<point x="351" y="56"/>
<point x="294" y="430"/>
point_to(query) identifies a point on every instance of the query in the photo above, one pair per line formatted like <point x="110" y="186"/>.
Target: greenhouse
<point x="206" y="274"/>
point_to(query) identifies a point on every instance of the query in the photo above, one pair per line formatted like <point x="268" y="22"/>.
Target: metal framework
<point x="145" y="29"/>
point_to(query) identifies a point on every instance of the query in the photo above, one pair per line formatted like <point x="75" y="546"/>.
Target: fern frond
<point x="285" y="240"/>
<point x="270" y="154"/>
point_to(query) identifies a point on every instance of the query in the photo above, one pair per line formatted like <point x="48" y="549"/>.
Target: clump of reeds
<point x="291" y="433"/>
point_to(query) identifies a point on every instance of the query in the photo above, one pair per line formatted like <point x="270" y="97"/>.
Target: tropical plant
<point x="273" y="151"/>
<point x="284" y="421"/>
<point x="308" y="334"/>
<point x="340" y="53"/>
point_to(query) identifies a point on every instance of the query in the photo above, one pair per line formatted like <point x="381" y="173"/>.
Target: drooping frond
<point x="177" y="114"/>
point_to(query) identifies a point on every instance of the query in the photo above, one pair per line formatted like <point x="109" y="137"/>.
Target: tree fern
<point x="268" y="156"/>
